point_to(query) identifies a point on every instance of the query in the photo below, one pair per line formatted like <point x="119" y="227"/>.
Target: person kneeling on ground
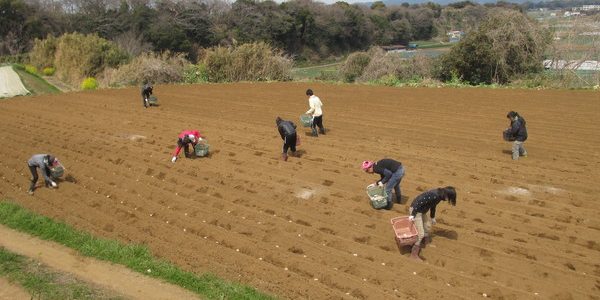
<point x="391" y="172"/>
<point x="186" y="138"/>
<point x="44" y="162"/>
<point x="287" y="130"/>
<point x="146" y="92"/>
<point x="427" y="201"/>
<point x="517" y="133"/>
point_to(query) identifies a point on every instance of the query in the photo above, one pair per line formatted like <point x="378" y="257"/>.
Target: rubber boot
<point x="414" y="253"/>
<point x="314" y="132"/>
<point x="284" y="156"/>
<point x="322" y="130"/>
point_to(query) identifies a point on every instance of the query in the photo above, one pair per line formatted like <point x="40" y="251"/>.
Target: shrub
<point x="506" y="45"/>
<point x="248" y="62"/>
<point x="195" y="73"/>
<point x="43" y="52"/>
<point x="89" y="83"/>
<point x="382" y="64"/>
<point x="354" y="66"/>
<point x="79" y="56"/>
<point x="49" y="71"/>
<point x="153" y="67"/>
<point x="31" y="69"/>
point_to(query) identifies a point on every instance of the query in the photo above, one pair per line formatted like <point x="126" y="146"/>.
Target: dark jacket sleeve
<point x="514" y="128"/>
<point x="280" y="129"/>
<point x="432" y="211"/>
<point x="385" y="177"/>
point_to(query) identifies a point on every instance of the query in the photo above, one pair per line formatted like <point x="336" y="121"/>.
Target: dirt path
<point x="11" y="291"/>
<point x="304" y="228"/>
<point x="10" y="83"/>
<point x="113" y="277"/>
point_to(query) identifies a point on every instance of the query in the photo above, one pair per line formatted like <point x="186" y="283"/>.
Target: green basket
<point x="152" y="100"/>
<point x="378" y="196"/>
<point x="57" y="171"/>
<point x="306" y="120"/>
<point x="201" y="149"/>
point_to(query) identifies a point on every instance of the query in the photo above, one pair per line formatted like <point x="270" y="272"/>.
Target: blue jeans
<point x="394" y="183"/>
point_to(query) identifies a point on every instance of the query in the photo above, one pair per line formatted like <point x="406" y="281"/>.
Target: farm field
<point x="304" y="229"/>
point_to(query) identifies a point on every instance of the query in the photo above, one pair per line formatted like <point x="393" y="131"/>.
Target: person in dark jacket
<point x="44" y="162"/>
<point x="146" y="92"/>
<point x="517" y="133"/>
<point x="287" y="130"/>
<point x="391" y="173"/>
<point x="423" y="203"/>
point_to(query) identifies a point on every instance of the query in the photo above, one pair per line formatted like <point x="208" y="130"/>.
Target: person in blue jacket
<point x="391" y="172"/>
<point x="517" y="133"/>
<point x="427" y="202"/>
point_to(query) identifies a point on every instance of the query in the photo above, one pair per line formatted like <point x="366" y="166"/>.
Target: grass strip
<point x="42" y="283"/>
<point x="34" y="83"/>
<point x="135" y="257"/>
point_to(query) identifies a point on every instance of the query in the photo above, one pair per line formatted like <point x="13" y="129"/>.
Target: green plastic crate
<point x="201" y="149"/>
<point x="57" y="172"/>
<point x="378" y="196"/>
<point x="306" y="120"/>
<point x="152" y="100"/>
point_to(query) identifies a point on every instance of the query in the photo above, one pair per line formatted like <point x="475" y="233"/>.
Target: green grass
<point x="34" y="83"/>
<point x="42" y="283"/>
<point x="135" y="257"/>
<point x="431" y="44"/>
<point x="314" y="72"/>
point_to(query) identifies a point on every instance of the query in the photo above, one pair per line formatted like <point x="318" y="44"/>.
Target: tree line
<point x="303" y="29"/>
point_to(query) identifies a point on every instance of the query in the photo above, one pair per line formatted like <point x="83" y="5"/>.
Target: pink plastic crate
<point x="405" y="231"/>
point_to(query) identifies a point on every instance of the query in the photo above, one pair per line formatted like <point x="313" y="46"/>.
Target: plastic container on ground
<point x="201" y="149"/>
<point x="57" y="171"/>
<point x="405" y="231"/>
<point x="306" y="120"/>
<point x="153" y="101"/>
<point x="377" y="195"/>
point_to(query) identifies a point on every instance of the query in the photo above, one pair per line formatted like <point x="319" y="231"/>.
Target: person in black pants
<point x="391" y="172"/>
<point x="44" y="162"/>
<point x="146" y="92"/>
<point x="287" y="130"/>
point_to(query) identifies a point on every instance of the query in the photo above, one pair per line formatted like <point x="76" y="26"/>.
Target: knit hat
<point x="366" y="164"/>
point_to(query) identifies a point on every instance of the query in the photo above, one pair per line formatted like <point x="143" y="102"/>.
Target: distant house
<point x="394" y="48"/>
<point x="455" y="36"/>
<point x="588" y="65"/>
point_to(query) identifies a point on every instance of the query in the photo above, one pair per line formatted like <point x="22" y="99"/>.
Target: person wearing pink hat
<point x="391" y="172"/>
<point x="184" y="140"/>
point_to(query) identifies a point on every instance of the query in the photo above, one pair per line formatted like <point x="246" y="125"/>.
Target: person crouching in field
<point x="44" y="162"/>
<point x="146" y="92"/>
<point x="287" y="130"/>
<point x="517" y="133"/>
<point x="423" y="203"/>
<point x="185" y="139"/>
<point x="391" y="172"/>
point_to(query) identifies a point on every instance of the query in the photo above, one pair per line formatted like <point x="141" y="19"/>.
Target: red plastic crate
<point x="405" y="231"/>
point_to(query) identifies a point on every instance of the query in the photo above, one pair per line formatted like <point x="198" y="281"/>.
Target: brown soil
<point x="304" y="228"/>
<point x="105" y="275"/>
<point x="11" y="291"/>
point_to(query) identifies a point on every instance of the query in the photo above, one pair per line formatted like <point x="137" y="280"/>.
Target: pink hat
<point x="366" y="165"/>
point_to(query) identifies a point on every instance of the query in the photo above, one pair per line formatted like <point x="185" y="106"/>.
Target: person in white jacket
<point x="316" y="111"/>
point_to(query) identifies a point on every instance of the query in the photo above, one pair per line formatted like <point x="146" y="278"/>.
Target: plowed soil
<point x="304" y="228"/>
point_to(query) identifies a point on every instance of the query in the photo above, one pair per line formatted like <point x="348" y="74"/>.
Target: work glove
<point x="371" y="185"/>
<point x="380" y="184"/>
<point x="411" y="218"/>
<point x="174" y="159"/>
<point x="433" y="221"/>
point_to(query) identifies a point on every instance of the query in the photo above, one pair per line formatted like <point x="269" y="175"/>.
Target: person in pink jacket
<point x="186" y="138"/>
